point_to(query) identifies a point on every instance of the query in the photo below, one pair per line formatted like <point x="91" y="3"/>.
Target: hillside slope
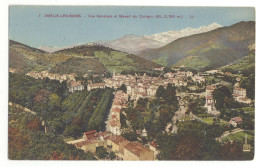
<point x="207" y="50"/>
<point x="245" y="65"/>
<point x="79" y="59"/>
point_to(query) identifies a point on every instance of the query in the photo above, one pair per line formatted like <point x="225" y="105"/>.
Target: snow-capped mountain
<point x="137" y="44"/>
<point x="169" y="36"/>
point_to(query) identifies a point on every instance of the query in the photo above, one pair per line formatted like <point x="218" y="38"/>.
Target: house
<point x="239" y="95"/>
<point x="96" y="86"/>
<point x="75" y="86"/>
<point x="89" y="134"/>
<point x="114" y="127"/>
<point x="91" y="140"/>
<point x="209" y="103"/>
<point x="136" y="151"/>
<point x="210" y="89"/>
<point x="235" y="121"/>
<point x="117" y="144"/>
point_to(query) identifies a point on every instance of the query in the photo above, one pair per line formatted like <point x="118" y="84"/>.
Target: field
<point x="240" y="136"/>
<point x="209" y="120"/>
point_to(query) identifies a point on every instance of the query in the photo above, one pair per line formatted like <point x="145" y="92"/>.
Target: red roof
<point x="117" y="139"/>
<point x="116" y="109"/>
<point x="237" y="119"/>
<point x="153" y="143"/>
<point x="209" y="97"/>
<point x="90" y="132"/>
<point x="136" y="148"/>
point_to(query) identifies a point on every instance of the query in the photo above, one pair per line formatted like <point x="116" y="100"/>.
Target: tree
<point x="112" y="155"/>
<point x="34" y="124"/>
<point x="131" y="136"/>
<point x="231" y="151"/>
<point x="17" y="142"/>
<point x="56" y="156"/>
<point x="170" y="94"/>
<point x="54" y="100"/>
<point x="123" y="120"/>
<point x="188" y="147"/>
<point x="102" y="152"/>
<point x="196" y="106"/>
<point x="165" y="115"/>
<point x="160" y="91"/>
<point x="249" y="84"/>
<point x="223" y="97"/>
<point x="123" y="88"/>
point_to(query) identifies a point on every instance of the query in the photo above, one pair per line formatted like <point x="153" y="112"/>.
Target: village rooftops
<point x="97" y="84"/>
<point x="86" y="142"/>
<point x="117" y="139"/>
<point x="74" y="84"/>
<point x="90" y="132"/>
<point x="239" y="89"/>
<point x="114" y="123"/>
<point x="136" y="148"/>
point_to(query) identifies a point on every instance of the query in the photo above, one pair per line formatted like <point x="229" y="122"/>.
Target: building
<point x="209" y="103"/>
<point x="239" y="95"/>
<point x="136" y="151"/>
<point x="117" y="144"/>
<point x="75" y="86"/>
<point x="89" y="135"/>
<point x="96" y="86"/>
<point x="91" y="140"/>
<point x="235" y="121"/>
<point x="123" y="148"/>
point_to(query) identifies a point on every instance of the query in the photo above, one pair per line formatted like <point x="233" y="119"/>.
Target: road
<point x="22" y="108"/>
<point x="178" y="115"/>
<point x="226" y="133"/>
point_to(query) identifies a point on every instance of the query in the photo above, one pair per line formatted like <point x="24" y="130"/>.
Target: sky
<point x="28" y="24"/>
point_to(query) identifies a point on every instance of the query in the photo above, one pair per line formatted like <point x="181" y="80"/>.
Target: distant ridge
<point x="207" y="50"/>
<point x="82" y="59"/>
<point x="137" y="44"/>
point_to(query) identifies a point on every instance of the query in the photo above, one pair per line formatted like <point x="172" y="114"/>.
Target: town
<point x="135" y="87"/>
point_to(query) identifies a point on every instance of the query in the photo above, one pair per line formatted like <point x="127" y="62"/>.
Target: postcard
<point x="131" y="83"/>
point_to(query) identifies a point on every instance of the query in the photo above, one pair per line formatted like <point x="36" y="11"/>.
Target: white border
<point x="4" y="82"/>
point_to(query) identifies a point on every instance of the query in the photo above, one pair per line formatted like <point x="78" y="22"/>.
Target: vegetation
<point x="208" y="50"/>
<point x="196" y="106"/>
<point x="196" y="141"/>
<point x="245" y="66"/>
<point x="82" y="59"/>
<point x="153" y="114"/>
<point x="63" y="113"/>
<point x="26" y="137"/>
<point x="249" y="84"/>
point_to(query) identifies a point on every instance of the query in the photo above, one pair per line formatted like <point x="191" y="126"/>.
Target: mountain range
<point x="202" y="51"/>
<point x="207" y="50"/>
<point x="136" y="44"/>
